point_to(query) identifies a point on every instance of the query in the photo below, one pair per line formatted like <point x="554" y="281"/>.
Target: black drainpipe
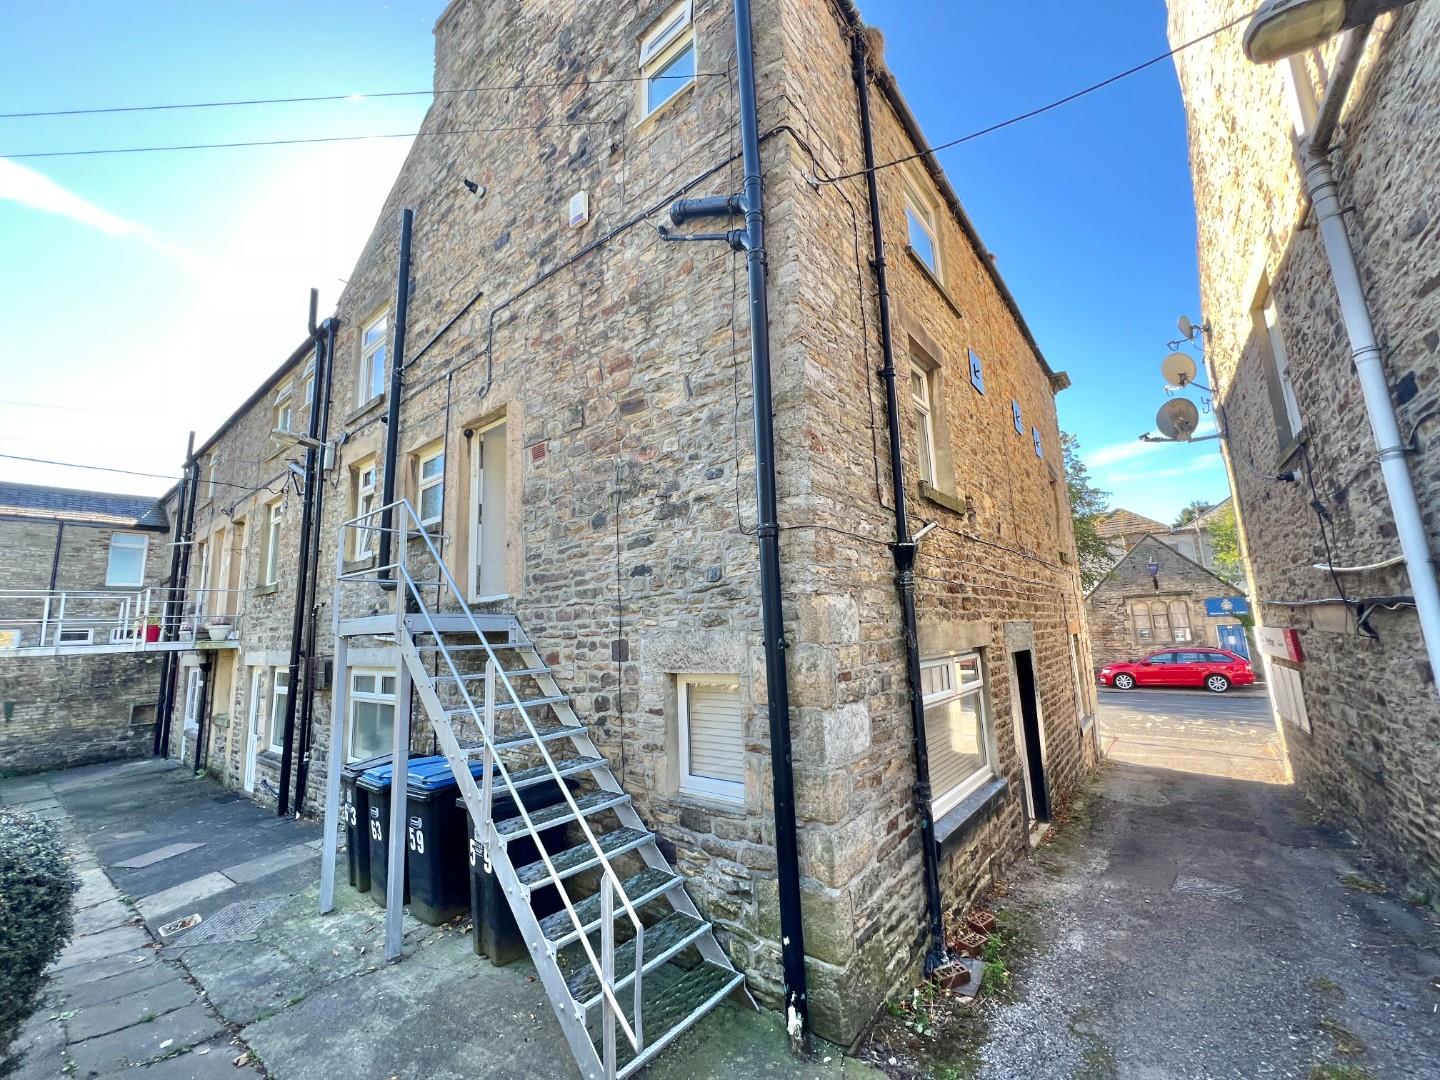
<point x="179" y="578"/>
<point x="55" y="562"/>
<point x="751" y="240"/>
<point x="202" y="727"/>
<point x="302" y="570"/>
<point x="392" y="415"/>
<point x="324" y="373"/>
<point x="904" y="547"/>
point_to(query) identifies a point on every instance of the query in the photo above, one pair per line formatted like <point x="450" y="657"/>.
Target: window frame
<point x="278" y="690"/>
<point x="1144" y="635"/>
<point x="376" y="696"/>
<point x="666" y="39"/>
<point x="423" y="484"/>
<point x="707" y="787"/>
<point x="362" y="538"/>
<point x="284" y="409"/>
<point x="380" y="345"/>
<point x="87" y="639"/>
<point x="122" y="540"/>
<point x="1280" y="386"/>
<point x="274" y="520"/>
<point x="1182" y="609"/>
<point x="924" y="423"/>
<point x="960" y="688"/>
<point x="920" y="211"/>
<point x="307" y="383"/>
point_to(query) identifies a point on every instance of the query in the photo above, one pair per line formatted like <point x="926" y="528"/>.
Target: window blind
<point x="717" y="742"/>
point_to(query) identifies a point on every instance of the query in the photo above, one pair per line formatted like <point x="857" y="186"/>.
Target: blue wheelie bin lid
<point x="379" y="778"/>
<point x="432" y="776"/>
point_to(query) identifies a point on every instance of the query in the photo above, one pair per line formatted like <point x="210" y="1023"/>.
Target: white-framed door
<point x="487" y="524"/>
<point x="252" y="727"/>
<point x="194" y="684"/>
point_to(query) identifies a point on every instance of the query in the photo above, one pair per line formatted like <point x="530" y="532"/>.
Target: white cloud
<point x="1200" y="464"/>
<point x="1117" y="453"/>
<point x="27" y="187"/>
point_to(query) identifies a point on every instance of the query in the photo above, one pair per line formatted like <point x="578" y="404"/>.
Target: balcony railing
<point x="47" y="621"/>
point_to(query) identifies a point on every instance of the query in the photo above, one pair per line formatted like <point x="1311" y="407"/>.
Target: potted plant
<point x="218" y="629"/>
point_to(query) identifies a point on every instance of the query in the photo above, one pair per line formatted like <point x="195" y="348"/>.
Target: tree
<point x="1087" y="504"/>
<point x="1191" y="512"/>
<point x="1225" y="543"/>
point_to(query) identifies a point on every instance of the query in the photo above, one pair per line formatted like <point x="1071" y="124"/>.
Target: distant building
<point x="77" y="593"/>
<point x="1124" y="529"/>
<point x="1352" y="682"/>
<point x="1156" y="596"/>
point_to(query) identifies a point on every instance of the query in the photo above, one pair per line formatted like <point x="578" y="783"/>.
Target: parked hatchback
<point x="1215" y="669"/>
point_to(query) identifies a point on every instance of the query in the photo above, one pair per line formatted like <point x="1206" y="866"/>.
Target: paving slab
<point x="264" y="865"/>
<point x="149" y="858"/>
<point x="40" y="1045"/>
<point x="95" y="991"/>
<point x="106" y="968"/>
<point x="108" y="1055"/>
<point x="183" y="895"/>
<point x="143" y="1006"/>
<point x="214" y="1060"/>
<point x="103" y="916"/>
<point x="99" y="946"/>
<point x="95" y="888"/>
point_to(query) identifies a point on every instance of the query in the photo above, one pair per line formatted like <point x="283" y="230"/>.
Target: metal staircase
<point x="627" y="947"/>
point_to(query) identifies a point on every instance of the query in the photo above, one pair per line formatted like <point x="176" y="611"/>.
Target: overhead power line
<point x="127" y="472"/>
<point x="68" y="408"/>
<point x="557" y="84"/>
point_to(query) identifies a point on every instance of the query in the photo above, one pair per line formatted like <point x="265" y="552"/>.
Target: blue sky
<point x="151" y="293"/>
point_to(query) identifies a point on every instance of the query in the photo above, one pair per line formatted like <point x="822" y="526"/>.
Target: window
<point x="307" y="386"/>
<point x="284" y="406"/>
<point x="1160" y="619"/>
<point x="279" y="695"/>
<point x="214" y="464"/>
<point x="1140" y="616"/>
<point x="272" y="545"/>
<point x="667" y="58"/>
<point x="920" y="386"/>
<point x="75" y="637"/>
<point x="1218" y="658"/>
<point x="1163" y="658"/>
<point x="430" y="496"/>
<point x="1180" y="620"/>
<point x="920" y="229"/>
<point x="712" y="738"/>
<point x="1191" y="658"/>
<point x="1283" y="402"/>
<point x="363" y="478"/>
<point x="127" y="559"/>
<point x="372" y="712"/>
<point x="956" y="728"/>
<point x="372" y="357"/>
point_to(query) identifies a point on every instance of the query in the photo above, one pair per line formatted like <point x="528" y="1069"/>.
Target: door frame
<point x="1029" y="745"/>
<point x="252" y="727"/>
<point x="475" y="538"/>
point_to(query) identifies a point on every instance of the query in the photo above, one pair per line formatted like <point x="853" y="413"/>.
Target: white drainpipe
<point x="1324" y="197"/>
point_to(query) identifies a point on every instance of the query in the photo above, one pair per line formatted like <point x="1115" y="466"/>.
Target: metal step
<point x="582" y="857"/>
<point x="511" y="740"/>
<point x="650" y="884"/>
<point x="480" y="676"/>
<point x="538" y="774"/>
<point x="662" y="941"/>
<point x="508" y="706"/>
<point x="559" y="813"/>
<point x="672" y="1005"/>
<point x="494" y="646"/>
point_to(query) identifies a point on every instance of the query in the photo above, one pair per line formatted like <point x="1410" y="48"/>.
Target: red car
<point x="1214" y="669"/>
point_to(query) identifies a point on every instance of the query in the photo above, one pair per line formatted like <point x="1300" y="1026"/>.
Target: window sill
<point x="931" y="493"/>
<point x="704" y="800"/>
<point x="970" y="813"/>
<point x="371" y="406"/>
<point x="266" y="590"/>
<point x="934" y="280"/>
<point x="1288" y="451"/>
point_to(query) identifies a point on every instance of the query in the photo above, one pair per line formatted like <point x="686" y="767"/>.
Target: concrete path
<point x="302" y="996"/>
<point x="1194" y="921"/>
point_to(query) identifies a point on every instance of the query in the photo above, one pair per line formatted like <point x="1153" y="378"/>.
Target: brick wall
<point x="1370" y="756"/>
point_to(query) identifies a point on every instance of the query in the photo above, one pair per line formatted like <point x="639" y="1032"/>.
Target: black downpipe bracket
<point x="179" y="581"/>
<point x="904" y="547"/>
<point x="308" y="524"/>
<point x="324" y="373"/>
<point x="392" y="413"/>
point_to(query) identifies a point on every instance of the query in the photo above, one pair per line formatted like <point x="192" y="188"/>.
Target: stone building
<point x="77" y="592"/>
<point x="1123" y="529"/>
<point x="574" y="429"/>
<point x="1347" y="662"/>
<point x="1156" y="596"/>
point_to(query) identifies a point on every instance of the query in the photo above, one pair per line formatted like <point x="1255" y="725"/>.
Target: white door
<point x="194" y="681"/>
<point x="252" y="728"/>
<point x="222" y="577"/>
<point x="487" y="522"/>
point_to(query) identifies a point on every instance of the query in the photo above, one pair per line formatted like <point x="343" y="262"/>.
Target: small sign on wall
<point x="1220" y="606"/>
<point x="1280" y="642"/>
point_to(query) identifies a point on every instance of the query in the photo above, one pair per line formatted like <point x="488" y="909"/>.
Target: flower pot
<point x="152" y="632"/>
<point x="218" y="631"/>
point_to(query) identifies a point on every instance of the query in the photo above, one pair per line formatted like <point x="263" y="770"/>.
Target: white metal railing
<point x="46" y="619"/>
<point x="611" y="887"/>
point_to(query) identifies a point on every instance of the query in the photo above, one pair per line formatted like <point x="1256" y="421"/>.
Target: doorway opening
<point x="487" y="515"/>
<point x="1032" y="738"/>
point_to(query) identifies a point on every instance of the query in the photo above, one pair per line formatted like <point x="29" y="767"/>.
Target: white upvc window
<point x="307" y="383"/>
<point x="214" y="466"/>
<point x="372" y="712"/>
<point x="921" y="231"/>
<point x="957" y="728"/>
<point x="272" y="544"/>
<point x="365" y="488"/>
<point x="279" y="695"/>
<point x="1271" y="317"/>
<point x="373" y="347"/>
<point x="75" y="637"/>
<point x="127" y="559"/>
<point x="284" y="406"/>
<point x="712" y="737"/>
<point x="430" y="492"/>
<point x="921" y="385"/>
<point x="667" y="58"/>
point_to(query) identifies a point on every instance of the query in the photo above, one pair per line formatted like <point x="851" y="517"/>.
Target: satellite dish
<point x="1178" y="419"/>
<point x="1178" y="369"/>
<point x="1187" y="328"/>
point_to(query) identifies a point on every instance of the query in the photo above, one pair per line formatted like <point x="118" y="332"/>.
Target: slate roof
<point x="1122" y="522"/>
<point x="90" y="507"/>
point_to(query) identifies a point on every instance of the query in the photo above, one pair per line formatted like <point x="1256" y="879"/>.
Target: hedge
<point x="36" y="887"/>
